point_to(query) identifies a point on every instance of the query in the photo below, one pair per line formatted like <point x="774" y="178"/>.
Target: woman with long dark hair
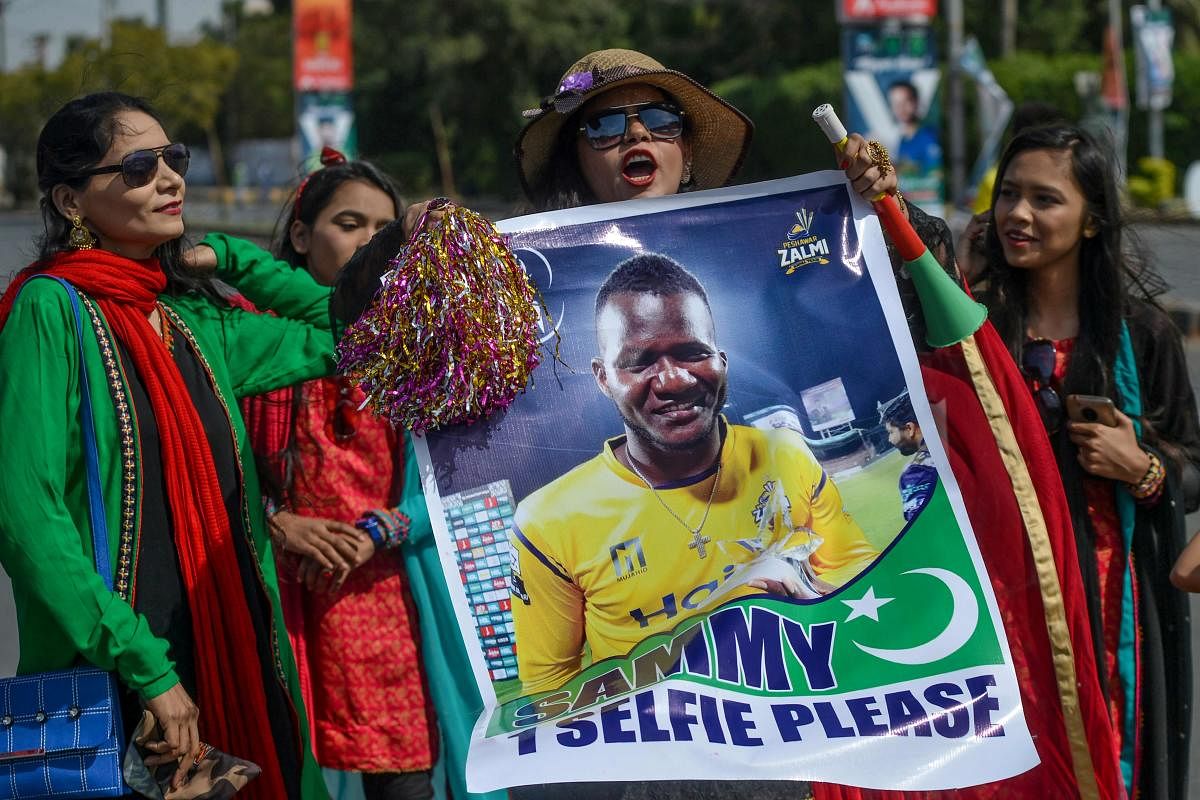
<point x="192" y="626"/>
<point x="1079" y="315"/>
<point x="346" y="514"/>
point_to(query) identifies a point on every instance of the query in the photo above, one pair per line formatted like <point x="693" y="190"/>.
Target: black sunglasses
<point x="139" y="167"/>
<point x="605" y="129"/>
<point x="1037" y="362"/>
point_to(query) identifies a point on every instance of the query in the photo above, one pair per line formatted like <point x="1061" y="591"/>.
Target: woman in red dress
<point x="1079" y="316"/>
<point x="335" y="478"/>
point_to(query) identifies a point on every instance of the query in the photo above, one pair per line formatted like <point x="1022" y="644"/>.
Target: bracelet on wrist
<point x="387" y="527"/>
<point x="370" y="525"/>
<point x="1151" y="482"/>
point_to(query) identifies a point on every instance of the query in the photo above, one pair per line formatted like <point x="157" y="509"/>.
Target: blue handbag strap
<point x="90" y="453"/>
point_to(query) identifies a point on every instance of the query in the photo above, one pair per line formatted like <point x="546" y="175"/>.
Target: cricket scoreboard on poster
<point x="478" y="521"/>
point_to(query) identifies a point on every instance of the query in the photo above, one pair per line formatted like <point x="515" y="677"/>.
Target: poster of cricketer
<point x="892" y="82"/>
<point x="718" y="538"/>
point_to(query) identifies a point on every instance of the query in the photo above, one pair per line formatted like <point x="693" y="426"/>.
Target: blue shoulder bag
<point x="60" y="732"/>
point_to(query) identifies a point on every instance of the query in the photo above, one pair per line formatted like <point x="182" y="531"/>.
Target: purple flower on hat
<point x="576" y="82"/>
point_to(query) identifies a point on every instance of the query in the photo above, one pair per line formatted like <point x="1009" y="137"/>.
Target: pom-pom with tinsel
<point x="452" y="334"/>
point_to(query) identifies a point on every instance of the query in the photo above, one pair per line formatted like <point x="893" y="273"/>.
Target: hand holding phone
<point x="1091" y="408"/>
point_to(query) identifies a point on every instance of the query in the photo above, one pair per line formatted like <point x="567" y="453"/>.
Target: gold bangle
<point x="900" y="202"/>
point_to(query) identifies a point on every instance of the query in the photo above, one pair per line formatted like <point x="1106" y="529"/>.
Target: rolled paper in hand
<point x="452" y="334"/>
<point x="950" y="314"/>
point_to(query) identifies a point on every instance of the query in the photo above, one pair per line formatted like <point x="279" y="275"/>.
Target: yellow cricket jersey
<point x="597" y="558"/>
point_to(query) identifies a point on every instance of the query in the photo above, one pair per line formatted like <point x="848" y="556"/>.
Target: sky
<point x="23" y="19"/>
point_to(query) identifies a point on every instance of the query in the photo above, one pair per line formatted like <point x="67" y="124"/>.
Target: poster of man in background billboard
<point x="325" y="119"/>
<point x="323" y="76"/>
<point x="683" y="546"/>
<point x="892" y="94"/>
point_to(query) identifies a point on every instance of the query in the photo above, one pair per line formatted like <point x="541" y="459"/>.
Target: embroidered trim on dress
<point x="126" y="422"/>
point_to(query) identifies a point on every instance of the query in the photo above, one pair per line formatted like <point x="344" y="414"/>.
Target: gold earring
<point x="81" y="238"/>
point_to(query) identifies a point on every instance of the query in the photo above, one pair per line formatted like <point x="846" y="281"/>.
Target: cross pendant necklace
<point x="698" y="541"/>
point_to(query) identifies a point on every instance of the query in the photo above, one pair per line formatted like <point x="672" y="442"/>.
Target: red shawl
<point x="231" y="696"/>
<point x="1078" y="755"/>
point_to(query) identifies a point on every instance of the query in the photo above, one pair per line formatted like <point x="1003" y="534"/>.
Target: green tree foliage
<point x="259" y="101"/>
<point x="184" y="83"/>
<point x="450" y="78"/>
<point x="1044" y="26"/>
<point x="1031" y="76"/>
<point x="477" y="63"/>
<point x="785" y="140"/>
<point x="27" y="97"/>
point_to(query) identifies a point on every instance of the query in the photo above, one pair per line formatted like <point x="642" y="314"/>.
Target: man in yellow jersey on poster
<point x="683" y="510"/>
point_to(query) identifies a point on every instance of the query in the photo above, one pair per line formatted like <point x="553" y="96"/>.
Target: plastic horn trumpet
<point x="950" y="315"/>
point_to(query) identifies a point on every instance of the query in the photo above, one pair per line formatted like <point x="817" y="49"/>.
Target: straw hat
<point x="718" y="132"/>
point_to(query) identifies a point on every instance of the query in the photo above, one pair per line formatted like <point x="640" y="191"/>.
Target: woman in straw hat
<point x="622" y="126"/>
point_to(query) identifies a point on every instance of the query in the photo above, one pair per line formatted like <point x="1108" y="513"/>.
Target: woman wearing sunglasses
<point x="1079" y="315"/>
<point x="192" y="627"/>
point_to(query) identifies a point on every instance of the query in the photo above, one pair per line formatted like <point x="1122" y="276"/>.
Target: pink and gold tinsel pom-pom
<point x="452" y="334"/>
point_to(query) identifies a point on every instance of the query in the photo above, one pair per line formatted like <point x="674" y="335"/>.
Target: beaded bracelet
<point x="387" y="527"/>
<point x="1151" y="482"/>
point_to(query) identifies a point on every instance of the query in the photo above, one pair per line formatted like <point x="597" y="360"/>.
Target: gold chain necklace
<point x="697" y="543"/>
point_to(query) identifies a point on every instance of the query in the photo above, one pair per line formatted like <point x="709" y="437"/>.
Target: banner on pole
<point x="892" y="94"/>
<point x="873" y="10"/>
<point x="325" y="119"/>
<point x="712" y="546"/>
<point x="322" y="58"/>
<point x="1153" y="37"/>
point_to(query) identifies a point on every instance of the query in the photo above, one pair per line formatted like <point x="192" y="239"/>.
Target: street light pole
<point x="1008" y="37"/>
<point x="1120" y="99"/>
<point x="958" y="135"/>
<point x="1155" y="117"/>
<point x="108" y="10"/>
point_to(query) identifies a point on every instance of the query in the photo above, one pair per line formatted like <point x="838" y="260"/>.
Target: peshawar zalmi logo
<point x="803" y="247"/>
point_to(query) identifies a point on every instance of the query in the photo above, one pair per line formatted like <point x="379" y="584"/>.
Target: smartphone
<point x="1090" y="408"/>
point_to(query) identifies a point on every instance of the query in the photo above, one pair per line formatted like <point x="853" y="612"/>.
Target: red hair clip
<point x="330" y="157"/>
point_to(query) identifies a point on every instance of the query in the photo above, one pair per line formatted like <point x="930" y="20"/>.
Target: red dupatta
<point x="231" y="696"/>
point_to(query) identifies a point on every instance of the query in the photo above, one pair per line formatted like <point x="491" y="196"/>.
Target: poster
<point x="892" y="80"/>
<point x="771" y="614"/>
<point x="322" y="60"/>
<point x="1153" y="37"/>
<point x="872" y="10"/>
<point x="325" y="119"/>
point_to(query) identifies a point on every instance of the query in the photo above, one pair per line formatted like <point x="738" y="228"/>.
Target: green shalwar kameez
<point x="64" y="611"/>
